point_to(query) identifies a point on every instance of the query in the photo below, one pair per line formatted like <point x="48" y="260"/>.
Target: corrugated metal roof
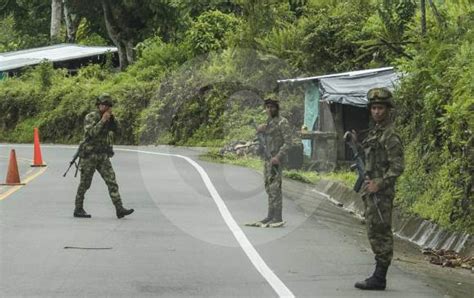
<point x="17" y="63"/>
<point x="55" y="53"/>
<point x="342" y="74"/>
<point x="352" y="90"/>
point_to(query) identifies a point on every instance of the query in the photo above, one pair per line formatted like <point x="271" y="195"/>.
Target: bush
<point x="436" y="105"/>
<point x="324" y="40"/>
<point x="210" y="32"/>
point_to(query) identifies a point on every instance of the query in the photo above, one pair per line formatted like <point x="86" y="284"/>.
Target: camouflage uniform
<point x="277" y="141"/>
<point x="383" y="154"/>
<point x="95" y="155"/>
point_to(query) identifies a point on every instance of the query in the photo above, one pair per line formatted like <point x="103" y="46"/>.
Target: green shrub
<point x="210" y="32"/>
<point x="436" y="104"/>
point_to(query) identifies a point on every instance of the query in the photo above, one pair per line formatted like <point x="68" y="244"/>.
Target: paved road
<point x="180" y="241"/>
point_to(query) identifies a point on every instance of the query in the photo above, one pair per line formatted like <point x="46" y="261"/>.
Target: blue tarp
<point x="311" y="111"/>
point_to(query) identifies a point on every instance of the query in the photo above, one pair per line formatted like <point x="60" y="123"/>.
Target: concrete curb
<point x="414" y="229"/>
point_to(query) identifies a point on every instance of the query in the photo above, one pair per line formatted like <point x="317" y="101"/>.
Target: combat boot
<point x="276" y="221"/>
<point x="377" y="281"/>
<point x="80" y="212"/>
<point x="268" y="218"/>
<point x="121" y="212"/>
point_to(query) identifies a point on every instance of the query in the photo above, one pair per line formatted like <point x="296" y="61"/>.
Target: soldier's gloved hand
<point x="372" y="187"/>
<point x="275" y="161"/>
<point x="261" y="128"/>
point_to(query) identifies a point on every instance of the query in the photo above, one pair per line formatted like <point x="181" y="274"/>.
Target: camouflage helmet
<point x="105" y="99"/>
<point x="272" y="99"/>
<point x="381" y="96"/>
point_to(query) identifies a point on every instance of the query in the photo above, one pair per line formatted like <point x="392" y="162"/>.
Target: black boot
<point x="277" y="215"/>
<point x="269" y="216"/>
<point x="121" y="212"/>
<point x="377" y="281"/>
<point x="80" y="212"/>
<point x="277" y="220"/>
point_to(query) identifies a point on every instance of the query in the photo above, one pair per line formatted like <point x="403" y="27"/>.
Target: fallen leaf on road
<point x="448" y="258"/>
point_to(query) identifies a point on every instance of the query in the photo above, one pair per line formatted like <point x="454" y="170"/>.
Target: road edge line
<point x="278" y="286"/>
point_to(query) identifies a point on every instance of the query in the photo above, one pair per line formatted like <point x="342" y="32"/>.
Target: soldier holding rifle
<point x="275" y="141"/>
<point x="95" y="153"/>
<point x="379" y="160"/>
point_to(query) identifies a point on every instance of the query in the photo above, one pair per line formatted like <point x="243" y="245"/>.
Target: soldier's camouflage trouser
<point x="102" y="164"/>
<point x="380" y="232"/>
<point x="272" y="175"/>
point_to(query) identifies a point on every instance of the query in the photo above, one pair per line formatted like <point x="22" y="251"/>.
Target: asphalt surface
<point x="178" y="243"/>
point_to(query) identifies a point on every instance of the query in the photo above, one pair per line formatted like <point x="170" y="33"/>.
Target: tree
<point x="259" y="18"/>
<point x="56" y="18"/>
<point x="116" y="20"/>
<point x="128" y="22"/>
<point x="387" y="32"/>
<point x="72" y="22"/>
<point x="31" y="20"/>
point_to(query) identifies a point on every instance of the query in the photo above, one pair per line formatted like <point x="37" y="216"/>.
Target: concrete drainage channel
<point x="423" y="233"/>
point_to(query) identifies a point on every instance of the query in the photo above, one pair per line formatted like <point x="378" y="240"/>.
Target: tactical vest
<point x="100" y="143"/>
<point x="375" y="153"/>
<point x="274" y="138"/>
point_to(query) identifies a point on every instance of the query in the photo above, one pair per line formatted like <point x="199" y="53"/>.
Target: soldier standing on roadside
<point x="95" y="154"/>
<point x="277" y="139"/>
<point x="383" y="153"/>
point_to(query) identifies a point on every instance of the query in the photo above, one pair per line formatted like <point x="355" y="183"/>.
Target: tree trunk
<point x="423" y="17"/>
<point x="130" y="52"/>
<point x="72" y="23"/>
<point x="119" y="35"/>
<point x="56" y="17"/>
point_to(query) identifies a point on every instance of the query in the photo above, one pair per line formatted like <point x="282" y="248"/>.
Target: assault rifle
<point x="111" y="125"/>
<point x="262" y="145"/>
<point x="74" y="158"/>
<point x="359" y="166"/>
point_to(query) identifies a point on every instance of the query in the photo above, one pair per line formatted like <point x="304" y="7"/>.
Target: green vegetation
<point x="199" y="70"/>
<point x="310" y="177"/>
<point x="252" y="162"/>
<point x="438" y="181"/>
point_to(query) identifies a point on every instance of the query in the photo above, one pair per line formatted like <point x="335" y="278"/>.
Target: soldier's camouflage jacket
<point x="98" y="136"/>
<point x="278" y="137"/>
<point x="383" y="153"/>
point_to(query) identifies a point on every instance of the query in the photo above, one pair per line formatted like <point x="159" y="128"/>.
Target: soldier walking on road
<point x="95" y="153"/>
<point x="383" y="153"/>
<point x="277" y="139"/>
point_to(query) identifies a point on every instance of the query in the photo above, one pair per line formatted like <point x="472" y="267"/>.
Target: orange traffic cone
<point x="13" y="176"/>
<point x="37" y="157"/>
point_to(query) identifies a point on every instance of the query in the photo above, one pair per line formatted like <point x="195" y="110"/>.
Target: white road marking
<point x="278" y="286"/>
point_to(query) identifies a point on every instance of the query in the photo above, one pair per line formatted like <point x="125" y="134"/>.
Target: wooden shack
<point x="334" y="104"/>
